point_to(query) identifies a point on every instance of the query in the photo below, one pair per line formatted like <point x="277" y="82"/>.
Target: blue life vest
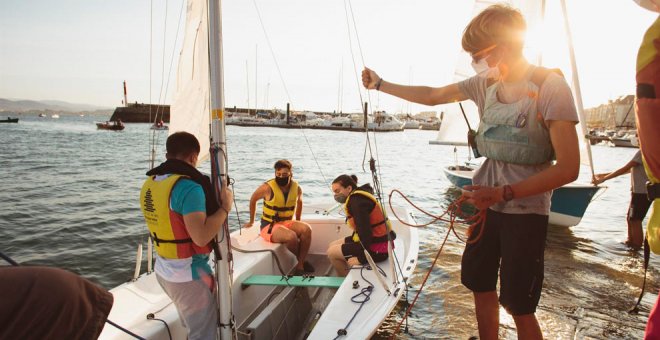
<point x="515" y="132"/>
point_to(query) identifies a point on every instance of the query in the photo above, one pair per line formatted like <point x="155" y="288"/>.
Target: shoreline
<point x="312" y="127"/>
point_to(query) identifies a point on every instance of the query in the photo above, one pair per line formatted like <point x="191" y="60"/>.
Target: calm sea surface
<point x="70" y="193"/>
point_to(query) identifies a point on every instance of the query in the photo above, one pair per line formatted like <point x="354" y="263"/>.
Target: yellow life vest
<point x="648" y="121"/>
<point x="277" y="208"/>
<point x="166" y="226"/>
<point x="380" y="224"/>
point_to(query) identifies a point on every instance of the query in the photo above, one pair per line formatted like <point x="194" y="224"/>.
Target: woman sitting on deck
<point x="370" y="226"/>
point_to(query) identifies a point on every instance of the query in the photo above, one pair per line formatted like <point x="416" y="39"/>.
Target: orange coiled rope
<point x="454" y="210"/>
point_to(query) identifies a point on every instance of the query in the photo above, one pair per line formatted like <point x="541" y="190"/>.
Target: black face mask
<point x="340" y="198"/>
<point x="282" y="181"/>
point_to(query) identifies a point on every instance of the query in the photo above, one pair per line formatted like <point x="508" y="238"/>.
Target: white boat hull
<point x="135" y="300"/>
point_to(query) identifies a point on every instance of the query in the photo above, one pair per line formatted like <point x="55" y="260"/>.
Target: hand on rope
<point x="370" y="79"/>
<point x="482" y="197"/>
<point x="454" y="210"/>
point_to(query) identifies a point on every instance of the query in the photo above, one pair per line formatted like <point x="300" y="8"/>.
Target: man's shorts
<point x="639" y="206"/>
<point x="513" y="245"/>
<point x="267" y="231"/>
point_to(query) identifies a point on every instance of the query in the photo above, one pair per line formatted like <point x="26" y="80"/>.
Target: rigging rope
<point x="279" y="72"/>
<point x="155" y="137"/>
<point x="454" y="211"/>
<point x="366" y="293"/>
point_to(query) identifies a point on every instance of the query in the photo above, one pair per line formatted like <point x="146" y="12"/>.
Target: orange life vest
<point x="379" y="224"/>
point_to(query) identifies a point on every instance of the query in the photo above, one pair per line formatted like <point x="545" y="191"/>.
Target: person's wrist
<point x="507" y="193"/>
<point x="379" y="83"/>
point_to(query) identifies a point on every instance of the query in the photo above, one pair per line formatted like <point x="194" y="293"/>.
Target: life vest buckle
<point x="652" y="191"/>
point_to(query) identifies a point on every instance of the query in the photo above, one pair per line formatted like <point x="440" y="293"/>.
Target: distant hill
<point x="50" y="105"/>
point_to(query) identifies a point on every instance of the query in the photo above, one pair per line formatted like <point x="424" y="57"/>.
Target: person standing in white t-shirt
<point x="639" y="203"/>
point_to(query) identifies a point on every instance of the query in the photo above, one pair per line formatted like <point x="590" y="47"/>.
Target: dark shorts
<point x="351" y="249"/>
<point x="513" y="245"/>
<point x="639" y="206"/>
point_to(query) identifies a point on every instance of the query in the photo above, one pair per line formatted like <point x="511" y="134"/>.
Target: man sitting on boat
<point x="183" y="217"/>
<point x="282" y="200"/>
<point x="527" y="119"/>
<point x="365" y="216"/>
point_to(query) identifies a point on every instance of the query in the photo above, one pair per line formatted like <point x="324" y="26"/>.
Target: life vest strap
<point x="278" y="208"/>
<point x="158" y="241"/>
<point x="652" y="191"/>
<point x="275" y="218"/>
<point x="380" y="222"/>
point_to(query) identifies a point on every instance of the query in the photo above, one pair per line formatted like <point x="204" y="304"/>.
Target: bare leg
<point x="527" y="327"/>
<point x="288" y="237"/>
<point x="488" y="315"/>
<point x="304" y="234"/>
<point x="337" y="258"/>
<point x="635" y="234"/>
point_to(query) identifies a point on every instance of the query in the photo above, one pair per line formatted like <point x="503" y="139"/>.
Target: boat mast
<point x="576" y="88"/>
<point x="223" y="273"/>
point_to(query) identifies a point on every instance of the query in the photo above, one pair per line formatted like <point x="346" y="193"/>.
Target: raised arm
<point x="418" y="94"/>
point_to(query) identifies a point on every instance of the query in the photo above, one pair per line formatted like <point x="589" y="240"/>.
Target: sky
<point x="82" y="51"/>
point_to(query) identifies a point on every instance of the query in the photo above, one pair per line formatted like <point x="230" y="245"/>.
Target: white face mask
<point x="485" y="71"/>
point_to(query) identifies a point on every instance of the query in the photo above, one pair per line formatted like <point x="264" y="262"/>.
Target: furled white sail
<point x="190" y="111"/>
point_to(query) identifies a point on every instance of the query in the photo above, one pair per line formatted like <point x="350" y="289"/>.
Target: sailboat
<point x="569" y="202"/>
<point x="256" y="297"/>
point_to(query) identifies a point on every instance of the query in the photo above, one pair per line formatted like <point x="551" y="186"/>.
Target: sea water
<point x="70" y="192"/>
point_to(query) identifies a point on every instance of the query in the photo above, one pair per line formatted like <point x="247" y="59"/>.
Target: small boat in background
<point x="41" y="115"/>
<point x="626" y="140"/>
<point x="111" y="125"/>
<point x="9" y="120"/>
<point x="55" y="116"/>
<point x="159" y="126"/>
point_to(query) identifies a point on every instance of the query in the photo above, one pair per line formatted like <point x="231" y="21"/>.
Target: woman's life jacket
<point x="280" y="207"/>
<point x="378" y="222"/>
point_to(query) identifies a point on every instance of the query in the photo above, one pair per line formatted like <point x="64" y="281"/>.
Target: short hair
<point x="496" y="24"/>
<point x="283" y="163"/>
<point x="346" y="180"/>
<point x="182" y="144"/>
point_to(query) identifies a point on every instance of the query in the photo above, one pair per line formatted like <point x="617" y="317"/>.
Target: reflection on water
<point x="69" y="199"/>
